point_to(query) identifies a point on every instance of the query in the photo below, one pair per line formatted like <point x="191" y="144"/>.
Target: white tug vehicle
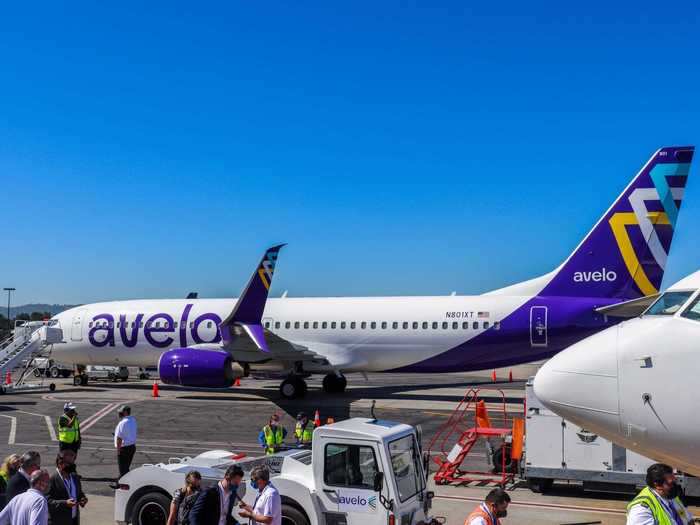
<point x="358" y="471"/>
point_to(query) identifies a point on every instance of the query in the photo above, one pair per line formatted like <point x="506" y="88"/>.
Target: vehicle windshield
<point x="669" y="303"/>
<point x="693" y="310"/>
<point x="405" y="462"/>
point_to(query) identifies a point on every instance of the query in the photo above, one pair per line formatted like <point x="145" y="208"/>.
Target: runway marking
<point x="89" y="422"/>
<point x="138" y="450"/>
<point x="13" y="429"/>
<point x="533" y="504"/>
<point x="52" y="432"/>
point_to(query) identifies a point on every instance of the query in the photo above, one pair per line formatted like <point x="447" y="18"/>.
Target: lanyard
<point x="671" y="509"/>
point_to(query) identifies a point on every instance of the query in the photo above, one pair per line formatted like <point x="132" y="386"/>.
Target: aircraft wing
<point x="628" y="309"/>
<point x="278" y="349"/>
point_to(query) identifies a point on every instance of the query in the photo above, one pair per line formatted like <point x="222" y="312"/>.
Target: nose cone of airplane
<point x="580" y="383"/>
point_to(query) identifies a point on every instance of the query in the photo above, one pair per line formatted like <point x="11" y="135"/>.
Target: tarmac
<point x="185" y="422"/>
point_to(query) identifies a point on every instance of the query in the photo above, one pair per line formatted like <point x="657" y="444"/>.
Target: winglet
<point x="250" y="305"/>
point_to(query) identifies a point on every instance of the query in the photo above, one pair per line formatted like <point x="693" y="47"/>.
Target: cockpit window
<point x="693" y="311"/>
<point x="669" y="303"/>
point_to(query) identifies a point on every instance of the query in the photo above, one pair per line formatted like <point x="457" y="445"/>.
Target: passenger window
<point x="342" y="325"/>
<point x="425" y="325"/>
<point x="486" y="325"/>
<point x="277" y="324"/>
<point x="405" y="326"/>
<point x="315" y="325"/>
<point x="306" y="325"/>
<point x="455" y="325"/>
<point x="394" y="325"/>
<point x="288" y="324"/>
<point x="445" y="324"/>
<point x="349" y="466"/>
<point x="118" y="324"/>
<point x="267" y="324"/>
<point x="435" y="325"/>
<point x="158" y="324"/>
<point x="693" y="311"/>
<point x="296" y="325"/>
<point x="333" y="325"/>
<point x="324" y="325"/>
<point x="363" y="325"/>
<point x="415" y="325"/>
<point x="352" y="325"/>
<point x="373" y="325"/>
<point x="475" y="325"/>
<point x="465" y="325"/>
<point x="383" y="325"/>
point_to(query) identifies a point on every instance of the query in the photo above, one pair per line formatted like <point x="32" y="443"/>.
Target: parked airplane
<point x="623" y="257"/>
<point x="634" y="383"/>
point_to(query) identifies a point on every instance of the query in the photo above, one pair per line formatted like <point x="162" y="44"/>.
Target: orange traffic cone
<point x="237" y="382"/>
<point x="482" y="415"/>
<point x="8" y="379"/>
<point x="317" y="419"/>
<point x="493" y="376"/>
<point x="510" y="376"/>
<point x="155" y="389"/>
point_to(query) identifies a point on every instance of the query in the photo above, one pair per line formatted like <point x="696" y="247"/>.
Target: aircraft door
<point x="76" y="330"/>
<point x="538" y="326"/>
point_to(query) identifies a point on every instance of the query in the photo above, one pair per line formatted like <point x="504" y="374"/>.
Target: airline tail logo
<point x="267" y="268"/>
<point x="664" y="201"/>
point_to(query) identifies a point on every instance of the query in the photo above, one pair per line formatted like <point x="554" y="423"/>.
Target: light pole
<point x="9" y="293"/>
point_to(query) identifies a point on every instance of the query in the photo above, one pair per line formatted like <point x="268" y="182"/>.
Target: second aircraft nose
<point x="580" y="383"/>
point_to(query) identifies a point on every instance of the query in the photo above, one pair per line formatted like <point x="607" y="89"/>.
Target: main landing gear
<point x="293" y="387"/>
<point x="334" y="384"/>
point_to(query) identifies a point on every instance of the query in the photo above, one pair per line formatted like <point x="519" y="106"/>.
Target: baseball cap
<point x="124" y="408"/>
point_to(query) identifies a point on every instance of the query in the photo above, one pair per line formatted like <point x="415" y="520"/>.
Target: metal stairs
<point x="28" y="341"/>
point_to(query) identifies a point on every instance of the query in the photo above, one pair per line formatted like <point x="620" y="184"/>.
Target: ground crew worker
<point x="495" y="506"/>
<point x="304" y="430"/>
<point x="69" y="429"/>
<point x="272" y="435"/>
<point x="658" y="503"/>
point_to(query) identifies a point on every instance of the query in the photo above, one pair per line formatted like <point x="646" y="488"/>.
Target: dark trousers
<point x="124" y="457"/>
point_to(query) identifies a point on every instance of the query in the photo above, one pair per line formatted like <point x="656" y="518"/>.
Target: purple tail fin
<point x="624" y="255"/>
<point x="249" y="308"/>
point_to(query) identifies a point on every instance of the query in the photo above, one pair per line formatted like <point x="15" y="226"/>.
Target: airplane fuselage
<point x="411" y="334"/>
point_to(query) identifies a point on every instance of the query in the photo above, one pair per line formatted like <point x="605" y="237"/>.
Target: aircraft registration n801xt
<point x="196" y="341"/>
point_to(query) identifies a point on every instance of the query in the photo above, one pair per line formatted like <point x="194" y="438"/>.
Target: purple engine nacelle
<point x="196" y="367"/>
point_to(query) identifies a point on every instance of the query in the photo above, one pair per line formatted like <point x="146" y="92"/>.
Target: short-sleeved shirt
<point x="269" y="503"/>
<point x="126" y="429"/>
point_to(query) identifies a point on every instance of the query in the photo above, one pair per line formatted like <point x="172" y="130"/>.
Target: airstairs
<point x="28" y="340"/>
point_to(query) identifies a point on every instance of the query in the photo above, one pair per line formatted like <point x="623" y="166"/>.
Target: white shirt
<point x="269" y="504"/>
<point x="641" y="515"/>
<point x="126" y="429"/>
<point x="28" y="508"/>
<point x="224" y="497"/>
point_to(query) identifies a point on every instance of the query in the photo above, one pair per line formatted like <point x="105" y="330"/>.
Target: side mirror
<point x="378" y="481"/>
<point x="426" y="464"/>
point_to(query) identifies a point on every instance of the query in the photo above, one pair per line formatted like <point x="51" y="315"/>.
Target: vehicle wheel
<point x="54" y="372"/>
<point x="37" y="372"/>
<point x="293" y="516"/>
<point x="151" y="509"/>
<point x="293" y="388"/>
<point x="539" y="485"/>
<point x="52" y="387"/>
<point x="497" y="458"/>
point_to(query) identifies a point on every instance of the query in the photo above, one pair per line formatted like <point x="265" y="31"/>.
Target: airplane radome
<point x="196" y="342"/>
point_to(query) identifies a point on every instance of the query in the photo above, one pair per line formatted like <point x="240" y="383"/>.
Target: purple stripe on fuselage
<point x="569" y="320"/>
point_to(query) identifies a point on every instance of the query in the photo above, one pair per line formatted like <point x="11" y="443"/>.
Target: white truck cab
<point x="359" y="471"/>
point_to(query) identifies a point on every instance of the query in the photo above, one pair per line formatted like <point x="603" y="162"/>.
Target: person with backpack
<point x="184" y="499"/>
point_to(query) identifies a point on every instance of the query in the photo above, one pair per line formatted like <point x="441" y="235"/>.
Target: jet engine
<point x="197" y="367"/>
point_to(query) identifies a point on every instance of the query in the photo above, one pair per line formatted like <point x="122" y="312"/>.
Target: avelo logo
<point x="597" y="276"/>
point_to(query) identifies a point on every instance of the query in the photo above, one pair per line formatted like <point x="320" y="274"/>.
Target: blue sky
<point x="399" y="148"/>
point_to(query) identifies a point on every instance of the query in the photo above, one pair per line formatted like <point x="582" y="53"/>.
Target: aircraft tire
<point x="332" y="384"/>
<point x="293" y="388"/>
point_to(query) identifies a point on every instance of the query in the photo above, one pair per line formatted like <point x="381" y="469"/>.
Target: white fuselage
<point x="353" y="334"/>
<point x="635" y="383"/>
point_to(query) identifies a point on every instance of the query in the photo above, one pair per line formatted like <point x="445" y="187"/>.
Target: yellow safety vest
<point x="304" y="435"/>
<point x="69" y="434"/>
<point x="273" y="438"/>
<point x="649" y="500"/>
